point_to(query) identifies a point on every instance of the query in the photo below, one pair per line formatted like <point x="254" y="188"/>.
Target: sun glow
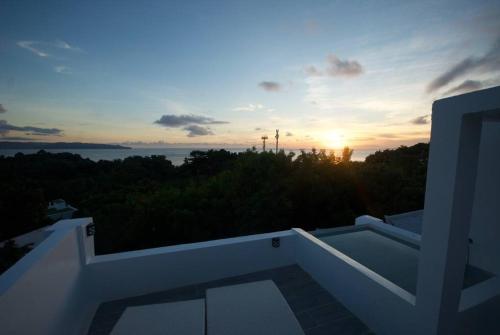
<point x="334" y="140"/>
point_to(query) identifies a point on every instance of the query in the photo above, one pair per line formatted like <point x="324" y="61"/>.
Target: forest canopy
<point x="143" y="202"/>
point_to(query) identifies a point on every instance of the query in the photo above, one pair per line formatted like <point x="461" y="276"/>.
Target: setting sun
<point x="334" y="140"/>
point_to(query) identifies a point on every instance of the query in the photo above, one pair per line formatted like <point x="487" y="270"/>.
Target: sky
<point x="224" y="73"/>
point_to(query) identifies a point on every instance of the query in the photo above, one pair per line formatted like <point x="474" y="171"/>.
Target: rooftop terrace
<point x="331" y="284"/>
<point x="316" y="310"/>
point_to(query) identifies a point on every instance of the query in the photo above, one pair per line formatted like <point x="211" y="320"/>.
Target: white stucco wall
<point x="485" y="227"/>
<point x="380" y="304"/>
<point x="45" y="292"/>
<point x="450" y="201"/>
<point x="139" y="272"/>
<point x="56" y="288"/>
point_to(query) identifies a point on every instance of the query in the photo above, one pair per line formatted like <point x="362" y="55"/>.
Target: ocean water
<point x="175" y="155"/>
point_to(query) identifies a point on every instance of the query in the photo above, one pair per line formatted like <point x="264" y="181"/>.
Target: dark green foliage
<point x="10" y="253"/>
<point x="22" y="208"/>
<point x="146" y="202"/>
<point x="393" y="181"/>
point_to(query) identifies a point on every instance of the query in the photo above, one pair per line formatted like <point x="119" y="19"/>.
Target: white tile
<point x="249" y="309"/>
<point x="177" y="318"/>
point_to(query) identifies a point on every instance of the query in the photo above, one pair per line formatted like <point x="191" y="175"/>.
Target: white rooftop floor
<point x="176" y="318"/>
<point x="248" y="309"/>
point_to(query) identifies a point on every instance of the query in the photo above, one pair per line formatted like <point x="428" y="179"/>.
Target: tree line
<point x="143" y="202"/>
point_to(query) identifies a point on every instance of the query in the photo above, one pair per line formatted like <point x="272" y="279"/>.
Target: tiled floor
<point x="317" y="311"/>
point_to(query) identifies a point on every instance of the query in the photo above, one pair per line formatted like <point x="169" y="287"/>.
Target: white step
<point x="249" y="309"/>
<point x="176" y="318"/>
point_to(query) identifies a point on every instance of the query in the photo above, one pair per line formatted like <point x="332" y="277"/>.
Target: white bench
<point x="176" y="318"/>
<point x="249" y="309"/>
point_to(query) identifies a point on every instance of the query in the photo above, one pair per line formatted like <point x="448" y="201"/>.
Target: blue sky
<point x="325" y="73"/>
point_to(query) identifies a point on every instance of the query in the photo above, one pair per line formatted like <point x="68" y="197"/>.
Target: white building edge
<point x="57" y="287"/>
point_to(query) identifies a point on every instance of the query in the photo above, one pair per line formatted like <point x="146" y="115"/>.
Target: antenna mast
<point x="264" y="138"/>
<point x="277" y="137"/>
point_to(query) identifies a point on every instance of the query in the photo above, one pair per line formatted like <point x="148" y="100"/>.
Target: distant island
<point x="58" y="145"/>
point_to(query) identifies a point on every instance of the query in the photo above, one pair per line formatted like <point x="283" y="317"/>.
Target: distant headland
<point x="58" y="145"/>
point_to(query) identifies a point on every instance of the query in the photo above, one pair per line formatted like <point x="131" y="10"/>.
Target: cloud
<point x="457" y="70"/>
<point x="336" y="68"/>
<point x="190" y="123"/>
<point x="65" y="45"/>
<point x="62" y="69"/>
<point x="258" y="129"/>
<point x="311" y="70"/>
<point x="489" y="62"/>
<point x="5" y="128"/>
<point x="270" y="86"/>
<point x="421" y="120"/>
<point x="248" y="108"/>
<point x="28" y="45"/>
<point x="17" y="138"/>
<point x="388" y="135"/>
<point x="2" y="109"/>
<point x="195" y="130"/>
<point x="288" y="134"/>
<point x="466" y="86"/>
<point x="175" y="121"/>
<point x="339" y="67"/>
<point x="37" y="46"/>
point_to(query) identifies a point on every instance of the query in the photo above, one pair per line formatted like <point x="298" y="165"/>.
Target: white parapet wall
<point x="45" y="292"/>
<point x="376" y="223"/>
<point x="382" y="305"/>
<point x="139" y="272"/>
<point x="56" y="288"/>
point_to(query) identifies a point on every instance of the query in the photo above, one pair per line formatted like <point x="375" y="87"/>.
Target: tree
<point x="346" y="155"/>
<point x="143" y="202"/>
<point x="10" y="253"/>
